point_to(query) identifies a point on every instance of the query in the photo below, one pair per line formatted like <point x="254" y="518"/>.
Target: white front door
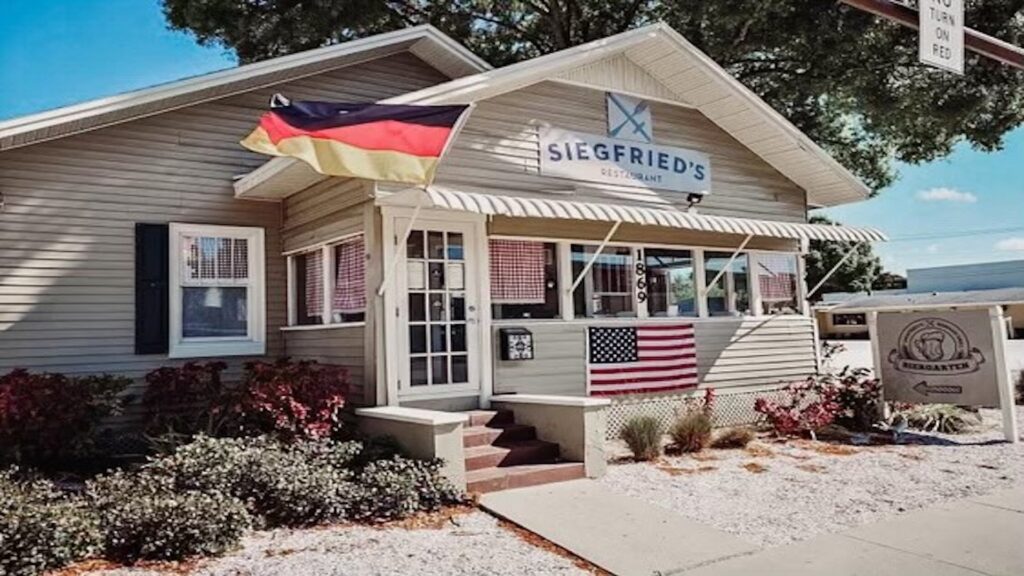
<point x="438" y="310"/>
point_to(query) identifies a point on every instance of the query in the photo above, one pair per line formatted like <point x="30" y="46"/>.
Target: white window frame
<point x="326" y="251"/>
<point x="565" y="277"/>
<point x="588" y="282"/>
<point x="254" y="343"/>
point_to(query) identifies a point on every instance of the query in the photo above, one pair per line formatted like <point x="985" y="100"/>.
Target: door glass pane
<point x="436" y="276"/>
<point x="455" y="249"/>
<point x="214" y="312"/>
<point x="418" y="371"/>
<point x="417" y="339"/>
<point x="439" y="369"/>
<point x="458" y="307"/>
<point x="437" y="312"/>
<point x="456" y="276"/>
<point x="417" y="309"/>
<point x="414" y="247"/>
<point x="438" y="338"/>
<point x="460" y="369"/>
<point x="415" y="274"/>
<point x="458" y="337"/>
<point x="435" y="245"/>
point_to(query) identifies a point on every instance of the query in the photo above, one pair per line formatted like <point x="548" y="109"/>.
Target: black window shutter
<point x="151" y="288"/>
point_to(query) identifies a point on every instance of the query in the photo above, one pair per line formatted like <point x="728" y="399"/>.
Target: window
<point x="217" y="291"/>
<point x="777" y="281"/>
<point x="730" y="295"/>
<point x="671" y="284"/>
<point x="849" y="320"/>
<point x="329" y="284"/>
<point x="607" y="288"/>
<point x="524" y="279"/>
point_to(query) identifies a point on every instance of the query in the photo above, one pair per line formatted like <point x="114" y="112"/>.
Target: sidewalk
<point x="619" y="534"/>
<point x="976" y="536"/>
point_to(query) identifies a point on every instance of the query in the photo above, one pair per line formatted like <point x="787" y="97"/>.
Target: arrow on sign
<point x="925" y="389"/>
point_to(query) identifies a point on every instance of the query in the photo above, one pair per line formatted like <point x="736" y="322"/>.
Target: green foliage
<point x="944" y="418"/>
<point x="145" y="516"/>
<point x="733" y="438"/>
<point x="40" y="528"/>
<point x="280" y="484"/>
<point x="1020" y="388"/>
<point x="691" y="432"/>
<point x="849" y="79"/>
<point x="643" y="436"/>
<point x="399" y="487"/>
<point x="857" y="274"/>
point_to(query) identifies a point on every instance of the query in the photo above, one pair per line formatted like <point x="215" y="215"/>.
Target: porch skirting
<point x="731" y="408"/>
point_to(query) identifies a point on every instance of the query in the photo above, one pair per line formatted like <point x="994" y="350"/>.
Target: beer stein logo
<point x="935" y="346"/>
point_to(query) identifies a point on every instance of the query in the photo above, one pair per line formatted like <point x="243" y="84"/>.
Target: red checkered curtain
<point x="314" y="284"/>
<point x="517" y="272"/>
<point x="350" y="278"/>
<point x="777" y="277"/>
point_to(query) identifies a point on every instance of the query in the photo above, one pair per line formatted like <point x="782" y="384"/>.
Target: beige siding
<point x="499" y="150"/>
<point x="342" y="346"/>
<point x="70" y="205"/>
<point x="730" y="353"/>
<point x="321" y="213"/>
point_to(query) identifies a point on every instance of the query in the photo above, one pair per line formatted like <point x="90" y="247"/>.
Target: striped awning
<point x="535" y="207"/>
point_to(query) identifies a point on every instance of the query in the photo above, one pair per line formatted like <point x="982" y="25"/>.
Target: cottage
<point x="626" y="183"/>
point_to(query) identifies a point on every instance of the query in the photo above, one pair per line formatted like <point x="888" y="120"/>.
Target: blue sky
<point x="58" y="52"/>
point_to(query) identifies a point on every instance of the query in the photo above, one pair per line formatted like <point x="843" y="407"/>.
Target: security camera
<point x="693" y="199"/>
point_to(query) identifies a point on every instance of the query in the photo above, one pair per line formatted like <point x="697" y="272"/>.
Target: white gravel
<point x="477" y="545"/>
<point x="803" y="492"/>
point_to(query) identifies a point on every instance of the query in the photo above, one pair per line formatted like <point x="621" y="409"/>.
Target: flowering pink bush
<point x="294" y="400"/>
<point x="807" y="408"/>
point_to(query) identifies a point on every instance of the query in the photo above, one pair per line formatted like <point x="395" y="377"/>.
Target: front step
<point x="490" y="418"/>
<point x="503" y="434"/>
<point x="511" y="454"/>
<point x="494" y="479"/>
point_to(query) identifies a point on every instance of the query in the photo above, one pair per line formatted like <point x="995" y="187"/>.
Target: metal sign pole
<point x="1010" y="430"/>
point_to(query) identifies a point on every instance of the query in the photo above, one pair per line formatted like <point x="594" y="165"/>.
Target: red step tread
<point x="494" y="479"/>
<point x="483" y="435"/>
<point x="489" y="417"/>
<point x="511" y="454"/>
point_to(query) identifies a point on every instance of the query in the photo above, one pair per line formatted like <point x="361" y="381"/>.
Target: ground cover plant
<point x="642" y="434"/>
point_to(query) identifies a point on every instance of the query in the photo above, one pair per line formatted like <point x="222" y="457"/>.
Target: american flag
<point x="640" y="359"/>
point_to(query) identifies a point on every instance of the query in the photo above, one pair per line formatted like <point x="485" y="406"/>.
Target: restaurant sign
<point x="594" y="158"/>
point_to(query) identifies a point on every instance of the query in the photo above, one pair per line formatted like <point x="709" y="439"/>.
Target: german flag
<point x="394" y="143"/>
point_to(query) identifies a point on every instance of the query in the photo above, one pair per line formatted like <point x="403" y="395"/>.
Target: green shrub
<point x="399" y="487"/>
<point x="280" y="484"/>
<point x="944" y="418"/>
<point x="144" y="517"/>
<point x="643" y="436"/>
<point x="40" y="528"/>
<point x="691" y="432"/>
<point x="733" y="438"/>
<point x="1020" y="388"/>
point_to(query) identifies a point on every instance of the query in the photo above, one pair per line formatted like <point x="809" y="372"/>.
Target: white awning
<point x="535" y="207"/>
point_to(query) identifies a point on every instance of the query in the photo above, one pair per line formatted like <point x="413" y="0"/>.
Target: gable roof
<point x="690" y="75"/>
<point x="426" y="42"/>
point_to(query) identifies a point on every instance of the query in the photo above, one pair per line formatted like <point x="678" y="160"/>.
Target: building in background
<point x="842" y="314"/>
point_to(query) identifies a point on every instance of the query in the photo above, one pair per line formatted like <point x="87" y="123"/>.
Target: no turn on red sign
<point x="941" y="38"/>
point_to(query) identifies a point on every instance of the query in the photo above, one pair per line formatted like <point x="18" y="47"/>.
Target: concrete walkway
<point x="619" y="534"/>
<point x="978" y="536"/>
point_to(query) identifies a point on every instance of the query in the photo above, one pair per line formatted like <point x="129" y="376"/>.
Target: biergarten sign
<point x="944" y="356"/>
<point x="596" y="158"/>
<point x="941" y="36"/>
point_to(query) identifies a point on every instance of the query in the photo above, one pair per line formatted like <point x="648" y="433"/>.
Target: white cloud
<point x="1015" y="244"/>
<point x="932" y="249"/>
<point x="946" y="195"/>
